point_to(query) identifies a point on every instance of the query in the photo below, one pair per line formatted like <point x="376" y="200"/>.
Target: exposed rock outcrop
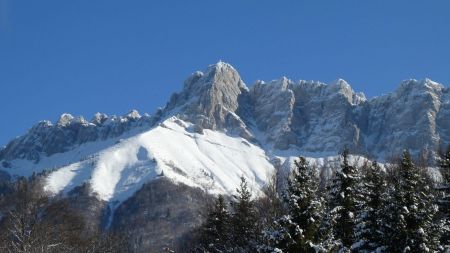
<point x="46" y="138"/>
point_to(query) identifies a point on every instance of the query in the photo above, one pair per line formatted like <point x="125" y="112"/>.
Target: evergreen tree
<point x="445" y="167"/>
<point x="244" y="221"/>
<point x="215" y="231"/>
<point x="444" y="201"/>
<point x="412" y="211"/>
<point x="370" y="217"/>
<point x="344" y="199"/>
<point x="298" y="231"/>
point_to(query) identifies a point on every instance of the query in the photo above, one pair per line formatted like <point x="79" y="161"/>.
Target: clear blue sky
<point x="111" y="56"/>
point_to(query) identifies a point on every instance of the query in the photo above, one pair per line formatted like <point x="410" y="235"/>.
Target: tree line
<point x="366" y="208"/>
<point x="361" y="208"/>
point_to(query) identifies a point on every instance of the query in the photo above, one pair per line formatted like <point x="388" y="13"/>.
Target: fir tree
<point x="370" y="217"/>
<point x="305" y="207"/>
<point x="342" y="205"/>
<point x="298" y="231"/>
<point x="215" y="231"/>
<point x="444" y="201"/>
<point x="445" y="167"/>
<point x="244" y="221"/>
<point x="412" y="211"/>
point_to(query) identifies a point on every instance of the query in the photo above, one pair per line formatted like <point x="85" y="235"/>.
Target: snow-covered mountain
<point x="216" y="129"/>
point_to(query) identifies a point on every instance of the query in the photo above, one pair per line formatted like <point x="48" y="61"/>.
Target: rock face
<point x="411" y="117"/>
<point x="46" y="138"/>
<point x="307" y="116"/>
<point x="273" y="111"/>
<point x="211" y="99"/>
<point x="316" y="117"/>
<point x="312" y="116"/>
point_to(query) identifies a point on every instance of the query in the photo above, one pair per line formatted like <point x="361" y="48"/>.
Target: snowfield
<point x="212" y="161"/>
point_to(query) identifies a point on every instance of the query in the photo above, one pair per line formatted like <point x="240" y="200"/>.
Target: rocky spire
<point x="210" y="99"/>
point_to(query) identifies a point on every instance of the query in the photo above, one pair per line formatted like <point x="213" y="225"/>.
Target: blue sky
<point x="112" y="56"/>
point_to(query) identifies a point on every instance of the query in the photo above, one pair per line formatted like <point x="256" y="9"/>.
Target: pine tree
<point x="298" y="230"/>
<point x="342" y="205"/>
<point x="370" y="217"/>
<point x="412" y="211"/>
<point x="216" y="230"/>
<point x="445" y="167"/>
<point x="305" y="206"/>
<point x="244" y="221"/>
<point x="444" y="201"/>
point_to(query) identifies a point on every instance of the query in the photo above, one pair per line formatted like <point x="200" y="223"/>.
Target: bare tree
<point x="34" y="223"/>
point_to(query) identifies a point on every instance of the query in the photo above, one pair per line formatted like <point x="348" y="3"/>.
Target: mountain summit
<point x="211" y="99"/>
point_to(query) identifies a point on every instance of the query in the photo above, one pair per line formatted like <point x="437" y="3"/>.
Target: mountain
<point x="215" y="130"/>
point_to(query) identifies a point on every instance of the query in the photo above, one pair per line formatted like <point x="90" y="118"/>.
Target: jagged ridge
<point x="309" y="116"/>
<point x="46" y="138"/>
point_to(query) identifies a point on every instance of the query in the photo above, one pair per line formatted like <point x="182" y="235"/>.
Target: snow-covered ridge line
<point x="47" y="138"/>
<point x="314" y="117"/>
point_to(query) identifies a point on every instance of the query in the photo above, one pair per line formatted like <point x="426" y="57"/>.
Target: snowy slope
<point x="117" y="168"/>
<point x="213" y="161"/>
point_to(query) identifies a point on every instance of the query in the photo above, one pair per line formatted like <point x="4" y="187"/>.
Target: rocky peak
<point x="47" y="139"/>
<point x="418" y="90"/>
<point x="43" y="124"/>
<point x="220" y="77"/>
<point x="424" y="93"/>
<point x="340" y="86"/>
<point x="419" y="86"/>
<point x="133" y="115"/>
<point x="223" y="86"/>
<point x="99" y="118"/>
<point x="67" y="119"/>
<point x="270" y="89"/>
<point x="430" y="84"/>
<point x="210" y="99"/>
<point x="414" y="87"/>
